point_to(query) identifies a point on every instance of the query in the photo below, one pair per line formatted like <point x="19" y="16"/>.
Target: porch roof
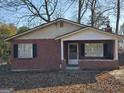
<point x="120" y="37"/>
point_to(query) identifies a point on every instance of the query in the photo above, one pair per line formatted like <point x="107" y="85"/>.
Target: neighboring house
<point x="63" y="44"/>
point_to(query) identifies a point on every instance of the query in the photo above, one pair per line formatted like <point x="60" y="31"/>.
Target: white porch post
<point x="116" y="50"/>
<point x="62" y="57"/>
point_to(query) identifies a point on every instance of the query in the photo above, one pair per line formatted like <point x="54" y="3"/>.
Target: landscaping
<point x="64" y="81"/>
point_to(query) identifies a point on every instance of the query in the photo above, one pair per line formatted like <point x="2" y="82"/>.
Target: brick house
<point x="64" y="44"/>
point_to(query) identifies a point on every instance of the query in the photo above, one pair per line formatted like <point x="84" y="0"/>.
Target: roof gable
<point x="89" y="33"/>
<point x="25" y="34"/>
<point x="53" y="31"/>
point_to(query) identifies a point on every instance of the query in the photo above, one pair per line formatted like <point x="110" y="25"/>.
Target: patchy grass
<point x="31" y="80"/>
<point x="4" y="68"/>
<point x="62" y="82"/>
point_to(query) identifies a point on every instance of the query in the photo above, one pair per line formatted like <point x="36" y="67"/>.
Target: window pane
<point x="72" y="51"/>
<point x="25" y="51"/>
<point x="94" y="49"/>
<point x="82" y="50"/>
<point x="20" y="50"/>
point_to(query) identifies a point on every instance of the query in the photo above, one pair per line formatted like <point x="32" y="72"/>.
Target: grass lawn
<point x="62" y="82"/>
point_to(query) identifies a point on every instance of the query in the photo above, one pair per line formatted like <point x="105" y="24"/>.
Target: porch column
<point x="116" y="50"/>
<point x="62" y="57"/>
<point x="63" y="63"/>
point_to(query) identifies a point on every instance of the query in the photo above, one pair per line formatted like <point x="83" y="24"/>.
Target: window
<point x="94" y="49"/>
<point x="25" y="50"/>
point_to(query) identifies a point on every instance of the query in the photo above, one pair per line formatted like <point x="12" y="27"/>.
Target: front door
<point x="72" y="53"/>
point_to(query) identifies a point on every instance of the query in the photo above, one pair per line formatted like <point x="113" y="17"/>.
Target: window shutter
<point x="105" y="50"/>
<point x="15" y="50"/>
<point x="34" y="50"/>
<point x="82" y="49"/>
<point x="108" y="51"/>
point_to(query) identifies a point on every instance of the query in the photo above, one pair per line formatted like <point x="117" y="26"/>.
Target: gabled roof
<point x="44" y="25"/>
<point x="88" y="27"/>
<point x="83" y="28"/>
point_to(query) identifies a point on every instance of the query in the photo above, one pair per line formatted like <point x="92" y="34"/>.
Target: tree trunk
<point x="93" y="6"/>
<point x="92" y="17"/>
<point x="118" y="16"/>
<point x="79" y="11"/>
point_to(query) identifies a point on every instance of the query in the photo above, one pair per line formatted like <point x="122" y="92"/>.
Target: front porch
<point x="89" y="54"/>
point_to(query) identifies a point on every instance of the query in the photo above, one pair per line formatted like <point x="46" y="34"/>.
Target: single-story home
<point x="64" y="44"/>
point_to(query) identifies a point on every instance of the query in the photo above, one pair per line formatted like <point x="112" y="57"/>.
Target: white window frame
<point x="25" y="50"/>
<point x="94" y="50"/>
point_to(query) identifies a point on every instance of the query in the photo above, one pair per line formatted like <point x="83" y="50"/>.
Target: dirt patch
<point x="10" y="90"/>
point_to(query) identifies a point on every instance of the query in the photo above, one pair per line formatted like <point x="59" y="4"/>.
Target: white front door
<point x="72" y="53"/>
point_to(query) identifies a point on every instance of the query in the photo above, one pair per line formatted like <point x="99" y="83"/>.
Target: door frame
<point x="77" y="51"/>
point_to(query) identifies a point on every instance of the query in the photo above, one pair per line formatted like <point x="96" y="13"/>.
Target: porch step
<point x="72" y="65"/>
<point x="72" y="68"/>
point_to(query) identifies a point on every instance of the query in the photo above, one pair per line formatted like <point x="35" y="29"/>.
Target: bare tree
<point x="44" y="11"/>
<point x="118" y="15"/>
<point x="41" y="9"/>
<point x="93" y="8"/>
<point x="82" y="8"/>
<point x="80" y="3"/>
<point x="98" y="10"/>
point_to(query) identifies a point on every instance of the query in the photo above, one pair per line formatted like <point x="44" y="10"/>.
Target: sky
<point x="12" y="17"/>
<point x="111" y="17"/>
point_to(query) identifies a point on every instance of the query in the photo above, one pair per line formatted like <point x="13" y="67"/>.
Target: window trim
<point x="96" y="56"/>
<point x="25" y="57"/>
<point x="82" y="55"/>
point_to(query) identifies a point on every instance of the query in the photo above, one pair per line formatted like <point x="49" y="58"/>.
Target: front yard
<point x="63" y="82"/>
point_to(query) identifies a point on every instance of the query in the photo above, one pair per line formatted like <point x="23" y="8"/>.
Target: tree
<point x="22" y="29"/>
<point x="117" y="16"/>
<point x="82" y="8"/>
<point x="40" y="10"/>
<point x="98" y="10"/>
<point x="6" y="30"/>
<point x="121" y="32"/>
<point x="48" y="6"/>
<point x="93" y="11"/>
<point x="100" y="20"/>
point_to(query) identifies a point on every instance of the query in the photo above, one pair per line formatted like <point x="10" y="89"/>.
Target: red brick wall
<point x="100" y="64"/>
<point x="48" y="56"/>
